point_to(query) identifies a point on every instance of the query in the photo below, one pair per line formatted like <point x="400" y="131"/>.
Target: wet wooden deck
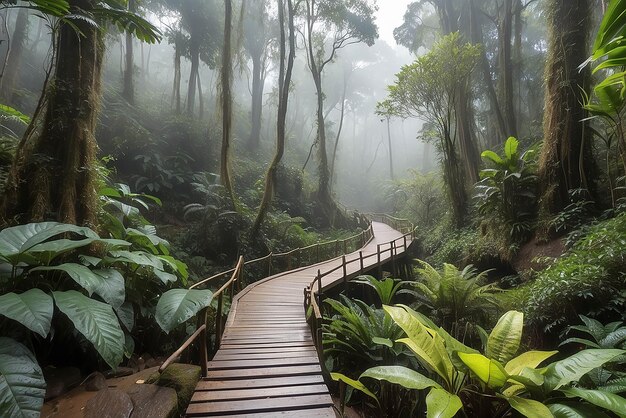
<point x="267" y="365"/>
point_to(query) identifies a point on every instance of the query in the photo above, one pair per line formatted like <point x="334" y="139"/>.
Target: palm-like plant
<point x="506" y="193"/>
<point x="385" y="289"/>
<point x="358" y="335"/>
<point x="455" y="298"/>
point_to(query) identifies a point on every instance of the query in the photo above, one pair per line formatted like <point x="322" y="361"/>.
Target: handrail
<point x="314" y="303"/>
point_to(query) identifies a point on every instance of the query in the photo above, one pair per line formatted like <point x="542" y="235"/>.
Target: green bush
<point x="588" y="280"/>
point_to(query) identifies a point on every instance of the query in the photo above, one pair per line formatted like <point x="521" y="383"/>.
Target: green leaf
<point x="22" y="386"/>
<point x="14" y="114"/>
<point x="423" y="341"/>
<point x="442" y="404"/>
<point x="108" y="284"/>
<point x="96" y="322"/>
<point x="178" y="305"/>
<point x="530" y="359"/>
<point x="571" y="369"/>
<point x="579" y="410"/>
<point x="338" y="377"/>
<point x="504" y="339"/>
<point x="400" y="375"/>
<point x="16" y="241"/>
<point x="493" y="157"/>
<point x="605" y="400"/>
<point x="529" y="408"/>
<point x="32" y="308"/>
<point x="126" y="315"/>
<point x="510" y="148"/>
<point x="489" y="371"/>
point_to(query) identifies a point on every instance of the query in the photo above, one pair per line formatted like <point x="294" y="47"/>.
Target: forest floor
<point x="536" y="254"/>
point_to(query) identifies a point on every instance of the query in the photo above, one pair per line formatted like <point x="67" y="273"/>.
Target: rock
<point x="95" y="382"/>
<point x="119" y="372"/>
<point x="60" y="380"/>
<point x="109" y="403"/>
<point x="183" y="378"/>
<point x="153" y="401"/>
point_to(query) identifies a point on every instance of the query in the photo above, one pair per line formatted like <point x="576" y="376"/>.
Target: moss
<point x="181" y="377"/>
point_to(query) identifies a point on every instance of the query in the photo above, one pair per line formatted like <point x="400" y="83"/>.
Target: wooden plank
<point x="263" y="382"/>
<point x="297" y="413"/>
<point x="275" y="362"/>
<point x="250" y="356"/>
<point x="260" y="405"/>
<point x="239" y="394"/>
<point x="253" y="345"/>
<point x="264" y="372"/>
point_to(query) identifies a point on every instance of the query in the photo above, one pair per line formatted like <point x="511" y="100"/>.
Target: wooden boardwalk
<point x="267" y="364"/>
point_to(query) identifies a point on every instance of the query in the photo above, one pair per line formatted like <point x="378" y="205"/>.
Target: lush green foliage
<point x="460" y="378"/>
<point x="506" y="195"/>
<point x="588" y="280"/>
<point x="455" y="299"/>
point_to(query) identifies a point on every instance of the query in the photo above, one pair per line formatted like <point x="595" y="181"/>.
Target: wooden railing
<point x="231" y="288"/>
<point x="313" y="293"/>
<point x="245" y="273"/>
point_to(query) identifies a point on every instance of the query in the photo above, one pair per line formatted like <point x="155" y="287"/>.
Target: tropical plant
<point x="588" y="280"/>
<point x="455" y="299"/>
<point x="612" y="335"/>
<point x="498" y="383"/>
<point x="609" y="51"/>
<point x="357" y="335"/>
<point x="385" y="289"/>
<point x="506" y="195"/>
<point x="50" y="270"/>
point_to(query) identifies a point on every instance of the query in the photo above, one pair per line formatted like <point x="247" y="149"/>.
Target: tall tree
<point x="257" y="39"/>
<point x="429" y="88"/>
<point x="566" y="150"/>
<point x="128" y="89"/>
<point x="329" y="26"/>
<point x="227" y="100"/>
<point x="14" y="58"/>
<point x="54" y="171"/>
<point x="284" y="82"/>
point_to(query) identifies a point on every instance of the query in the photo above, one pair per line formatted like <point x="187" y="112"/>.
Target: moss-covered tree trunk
<point x="227" y="105"/>
<point x="54" y="173"/>
<point x="566" y="150"/>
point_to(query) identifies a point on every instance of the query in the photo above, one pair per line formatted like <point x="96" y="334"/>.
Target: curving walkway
<point x="267" y="365"/>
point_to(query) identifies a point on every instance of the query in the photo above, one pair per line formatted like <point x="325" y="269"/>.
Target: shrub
<point x="588" y="280"/>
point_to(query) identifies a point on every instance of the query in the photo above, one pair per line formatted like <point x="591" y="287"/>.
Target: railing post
<point x="269" y="265"/>
<point x="361" y="259"/>
<point x="298" y="257"/>
<point x="218" y="321"/>
<point x="345" y="270"/>
<point x="405" y="247"/>
<point x="380" y="268"/>
<point x="336" y="248"/>
<point x="393" y="258"/>
<point x="319" y="288"/>
<point x="317" y="252"/>
<point x="345" y="249"/>
<point x="289" y="260"/>
<point x="204" y="355"/>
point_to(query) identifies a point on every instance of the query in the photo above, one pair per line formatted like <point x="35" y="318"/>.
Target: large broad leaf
<point x="493" y="157"/>
<point x="442" y="404"/>
<point x="578" y="410"/>
<point x="489" y="371"/>
<point x="338" y="377"/>
<point x="571" y="369"/>
<point x="424" y="342"/>
<point x="33" y="309"/>
<point x="505" y="338"/>
<point x="530" y="408"/>
<point x="108" y="284"/>
<point x="178" y="305"/>
<point x="605" y="400"/>
<point x="126" y="314"/>
<point x="16" y="241"/>
<point x="400" y="375"/>
<point x="22" y="386"/>
<point x="96" y="321"/>
<point x="530" y="359"/>
<point x="510" y="148"/>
